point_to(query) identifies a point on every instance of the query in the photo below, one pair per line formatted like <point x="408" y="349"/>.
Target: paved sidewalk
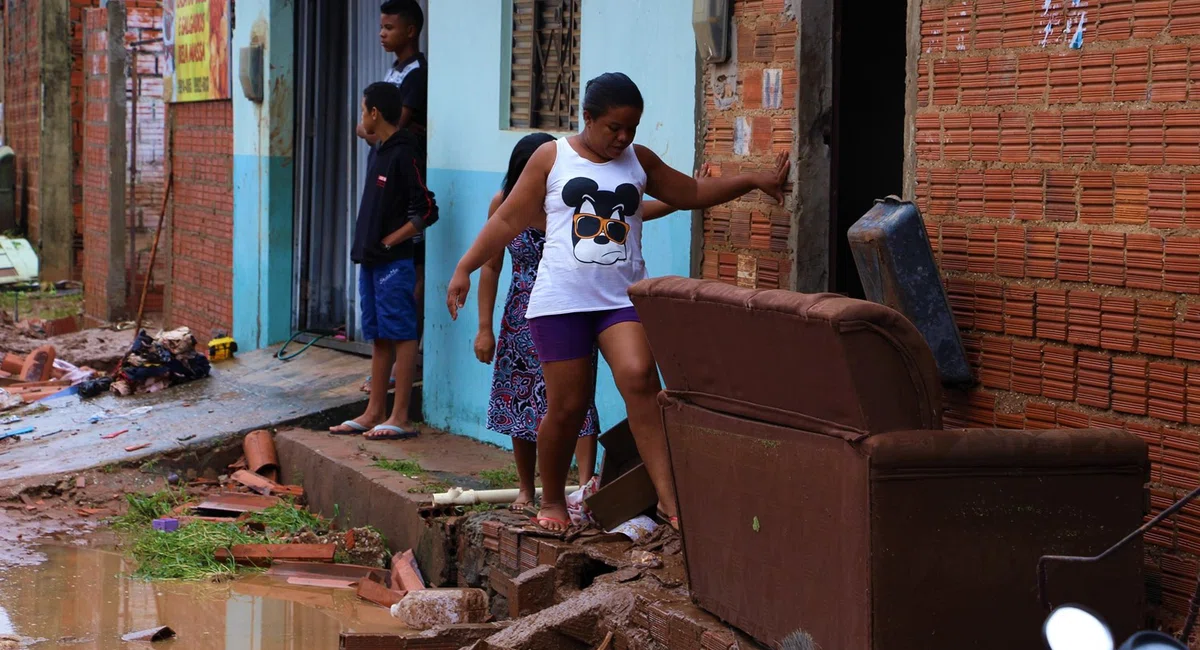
<point x="252" y="391"/>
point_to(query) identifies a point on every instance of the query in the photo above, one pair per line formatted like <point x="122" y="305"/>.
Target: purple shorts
<point x="564" y="337"/>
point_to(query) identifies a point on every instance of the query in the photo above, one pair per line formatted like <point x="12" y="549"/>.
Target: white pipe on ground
<point x="460" y="497"/>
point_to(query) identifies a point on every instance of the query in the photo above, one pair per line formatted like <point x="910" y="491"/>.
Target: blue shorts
<point x="387" y="302"/>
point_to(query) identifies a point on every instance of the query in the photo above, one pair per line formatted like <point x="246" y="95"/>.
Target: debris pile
<point x="36" y="376"/>
<point x="160" y="362"/>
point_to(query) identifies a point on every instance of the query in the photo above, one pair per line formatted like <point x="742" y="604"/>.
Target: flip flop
<point x="673" y="522"/>
<point x="394" y="433"/>
<point x="566" y="523"/>
<point x="354" y="429"/>
<point x="522" y="508"/>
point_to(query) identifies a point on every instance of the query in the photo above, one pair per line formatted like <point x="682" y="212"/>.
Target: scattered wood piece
<point x="347" y="572"/>
<point x="235" y="503"/>
<point x="80" y="482"/>
<point x="259" y="484"/>
<point x="607" y="642"/>
<point x="264" y="485"/>
<point x="406" y="575"/>
<point x="325" y="583"/>
<point x="110" y="436"/>
<point x="373" y="592"/>
<point x="137" y="447"/>
<point x="26" y="499"/>
<point x="264" y="554"/>
<point x="152" y="635"/>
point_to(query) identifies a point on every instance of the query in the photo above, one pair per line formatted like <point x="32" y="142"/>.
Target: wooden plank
<point x="373" y="592"/>
<point x="236" y="503"/>
<point x="264" y="554"/>
<point x="371" y="641"/>
<point x="324" y="583"/>
<point x="348" y="572"/>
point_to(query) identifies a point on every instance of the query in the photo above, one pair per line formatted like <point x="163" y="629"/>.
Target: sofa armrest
<point x="1007" y="449"/>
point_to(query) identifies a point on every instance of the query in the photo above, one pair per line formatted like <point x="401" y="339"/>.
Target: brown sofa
<point x="818" y="491"/>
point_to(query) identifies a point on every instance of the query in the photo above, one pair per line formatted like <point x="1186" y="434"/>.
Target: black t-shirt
<point x="412" y="76"/>
<point x="394" y="194"/>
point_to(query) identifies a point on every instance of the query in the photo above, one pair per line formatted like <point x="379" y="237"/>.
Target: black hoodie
<point x="394" y="194"/>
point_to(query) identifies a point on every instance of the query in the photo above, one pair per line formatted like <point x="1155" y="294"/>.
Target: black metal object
<point x="1080" y="559"/>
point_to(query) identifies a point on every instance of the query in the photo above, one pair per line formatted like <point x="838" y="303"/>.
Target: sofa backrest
<point x="816" y="362"/>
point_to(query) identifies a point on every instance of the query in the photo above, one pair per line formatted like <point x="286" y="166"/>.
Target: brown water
<point x="82" y="598"/>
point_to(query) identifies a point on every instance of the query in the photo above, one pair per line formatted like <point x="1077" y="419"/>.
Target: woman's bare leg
<point x="568" y="394"/>
<point x="525" y="453"/>
<point x="628" y="354"/>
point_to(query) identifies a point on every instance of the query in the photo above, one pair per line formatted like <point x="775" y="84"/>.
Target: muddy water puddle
<point x="83" y="598"/>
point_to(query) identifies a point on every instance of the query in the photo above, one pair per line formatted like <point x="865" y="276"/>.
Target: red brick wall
<point x="95" y="165"/>
<point x="749" y="114"/>
<point x="22" y="93"/>
<point x="201" y="282"/>
<point x="1061" y="189"/>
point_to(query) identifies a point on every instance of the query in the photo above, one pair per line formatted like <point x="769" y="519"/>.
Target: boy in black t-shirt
<point x="396" y="207"/>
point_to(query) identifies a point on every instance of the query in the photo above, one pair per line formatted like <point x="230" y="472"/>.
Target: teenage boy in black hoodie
<point x="396" y="206"/>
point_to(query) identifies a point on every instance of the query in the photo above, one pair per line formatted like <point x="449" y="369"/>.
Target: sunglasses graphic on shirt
<point x="589" y="226"/>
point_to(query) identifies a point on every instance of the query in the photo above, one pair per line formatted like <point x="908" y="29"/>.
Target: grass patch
<point x="405" y="467"/>
<point x="284" y="519"/>
<point x="498" y="479"/>
<point x="479" y="507"/>
<point x="189" y="553"/>
<point x="46" y="305"/>
<point x="145" y="508"/>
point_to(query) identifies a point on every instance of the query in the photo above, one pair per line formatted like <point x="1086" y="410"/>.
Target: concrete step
<point x="343" y="482"/>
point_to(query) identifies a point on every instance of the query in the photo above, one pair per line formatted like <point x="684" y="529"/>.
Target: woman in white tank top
<point x="590" y="186"/>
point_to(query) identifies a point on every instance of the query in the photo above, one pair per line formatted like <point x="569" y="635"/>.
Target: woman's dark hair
<point x="611" y="90"/>
<point x="520" y="157"/>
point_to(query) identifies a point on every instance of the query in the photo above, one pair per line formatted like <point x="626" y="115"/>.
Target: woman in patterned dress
<point x="518" y="400"/>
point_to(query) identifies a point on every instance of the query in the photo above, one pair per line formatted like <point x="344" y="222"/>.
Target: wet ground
<point x="83" y="598"/>
<point x="254" y="390"/>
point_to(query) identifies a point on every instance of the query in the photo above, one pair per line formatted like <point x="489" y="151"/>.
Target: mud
<point x="71" y="511"/>
<point x="99" y="349"/>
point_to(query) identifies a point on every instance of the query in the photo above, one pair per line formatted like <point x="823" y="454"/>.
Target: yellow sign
<point x="196" y="35"/>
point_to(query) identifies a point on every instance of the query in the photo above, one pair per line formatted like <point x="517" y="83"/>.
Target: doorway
<point x="337" y="56"/>
<point x="867" y="163"/>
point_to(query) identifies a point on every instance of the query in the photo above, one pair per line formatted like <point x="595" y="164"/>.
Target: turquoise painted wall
<point x="653" y="43"/>
<point x="263" y="136"/>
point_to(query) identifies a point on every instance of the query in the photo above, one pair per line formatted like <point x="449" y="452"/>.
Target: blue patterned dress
<point x="518" y="390"/>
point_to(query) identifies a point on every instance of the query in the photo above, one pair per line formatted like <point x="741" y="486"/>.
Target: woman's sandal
<point x="566" y="523"/>
<point x="673" y="522"/>
<point x="350" y="428"/>
<point x="393" y="433"/>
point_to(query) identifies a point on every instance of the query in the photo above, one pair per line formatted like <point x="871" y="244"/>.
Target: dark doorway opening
<point x="869" y="67"/>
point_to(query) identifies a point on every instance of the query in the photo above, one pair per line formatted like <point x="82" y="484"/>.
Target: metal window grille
<point x="545" y="64"/>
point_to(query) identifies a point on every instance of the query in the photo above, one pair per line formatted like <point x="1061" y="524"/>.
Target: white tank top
<point x="593" y="250"/>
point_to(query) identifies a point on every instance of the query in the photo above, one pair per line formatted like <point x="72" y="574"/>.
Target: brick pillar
<point x="754" y="108"/>
<point x="200" y="285"/>
<point x="104" y="229"/>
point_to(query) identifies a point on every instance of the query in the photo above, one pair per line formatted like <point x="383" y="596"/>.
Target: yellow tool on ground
<point x="221" y="347"/>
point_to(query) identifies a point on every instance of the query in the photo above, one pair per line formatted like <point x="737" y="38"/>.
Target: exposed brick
<point x="1061" y="179"/>
<point x="201" y="291"/>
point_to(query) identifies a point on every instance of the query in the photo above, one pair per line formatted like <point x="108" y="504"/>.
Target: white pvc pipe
<point x="460" y="497"/>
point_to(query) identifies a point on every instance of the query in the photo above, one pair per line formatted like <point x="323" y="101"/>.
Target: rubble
<point x="430" y="608"/>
